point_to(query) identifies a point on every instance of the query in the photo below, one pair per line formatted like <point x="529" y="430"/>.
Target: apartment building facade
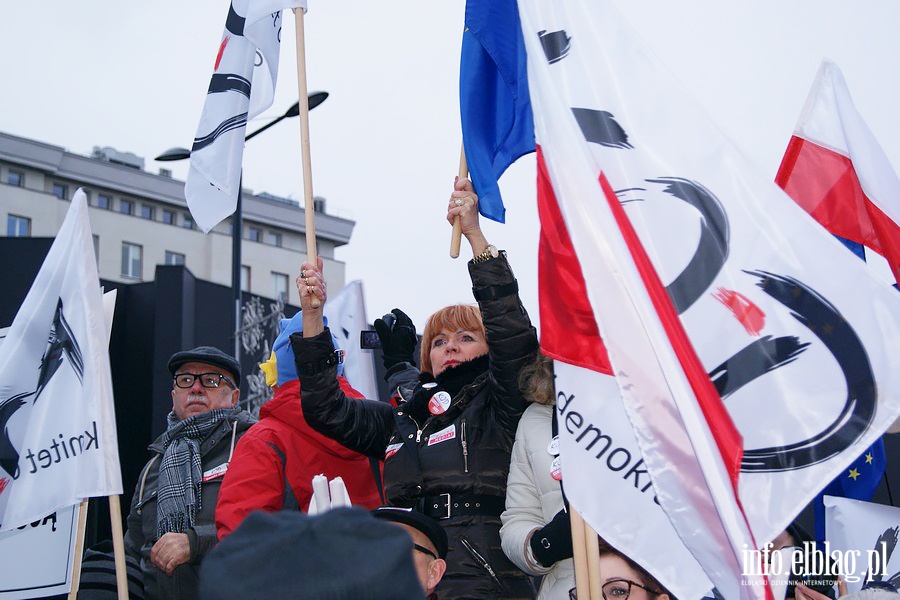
<point x="141" y="219"/>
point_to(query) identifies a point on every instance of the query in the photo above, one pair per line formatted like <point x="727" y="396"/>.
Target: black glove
<point x="553" y="542"/>
<point x="398" y="338"/>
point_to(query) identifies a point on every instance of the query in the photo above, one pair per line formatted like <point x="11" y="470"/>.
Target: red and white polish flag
<point x="836" y="170"/>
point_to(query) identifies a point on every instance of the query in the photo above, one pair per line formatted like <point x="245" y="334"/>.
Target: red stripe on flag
<point x="568" y="328"/>
<point x="824" y="183"/>
<point x="728" y="438"/>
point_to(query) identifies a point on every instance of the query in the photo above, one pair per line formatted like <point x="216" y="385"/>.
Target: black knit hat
<point x="417" y="520"/>
<point x="344" y="553"/>
<point x="208" y="355"/>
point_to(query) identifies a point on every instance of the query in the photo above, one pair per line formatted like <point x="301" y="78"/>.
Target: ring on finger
<point x="458" y="202"/>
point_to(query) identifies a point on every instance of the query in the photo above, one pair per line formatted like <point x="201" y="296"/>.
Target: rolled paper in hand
<point x="339" y="495"/>
<point x="320" y="501"/>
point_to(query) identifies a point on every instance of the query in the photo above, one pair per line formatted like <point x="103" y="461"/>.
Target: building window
<point x="188" y="221"/>
<point x="168" y="217"/>
<point x="104" y="201"/>
<point x="254" y="234"/>
<point x="280" y="285"/>
<point x="126" y="207"/>
<point x="16" y="178"/>
<point x="148" y="212"/>
<point x="174" y="258"/>
<point x="245" y="278"/>
<point x="132" y="255"/>
<point x="61" y="191"/>
<point x="17" y="226"/>
<point x="96" y="239"/>
<point x="273" y="238"/>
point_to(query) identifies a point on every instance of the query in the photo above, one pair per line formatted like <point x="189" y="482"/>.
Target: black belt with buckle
<point x="444" y="506"/>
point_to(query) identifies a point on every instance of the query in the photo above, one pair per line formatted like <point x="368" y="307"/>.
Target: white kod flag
<point x="794" y="333"/>
<point x="862" y="538"/>
<point x="242" y="86"/>
<point x="346" y="314"/>
<point x="57" y="423"/>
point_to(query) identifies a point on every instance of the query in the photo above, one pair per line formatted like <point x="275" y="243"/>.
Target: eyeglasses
<point x="425" y="550"/>
<point x="617" y="589"/>
<point x="207" y="380"/>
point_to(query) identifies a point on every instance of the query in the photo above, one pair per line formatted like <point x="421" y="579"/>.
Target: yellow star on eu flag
<point x="853" y="474"/>
<point x="869" y="458"/>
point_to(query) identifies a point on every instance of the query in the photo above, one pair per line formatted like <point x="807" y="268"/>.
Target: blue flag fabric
<point x="495" y="110"/>
<point x="858" y="481"/>
<point x="857" y="249"/>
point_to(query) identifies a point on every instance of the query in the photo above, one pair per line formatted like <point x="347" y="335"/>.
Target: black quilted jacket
<point x="426" y="457"/>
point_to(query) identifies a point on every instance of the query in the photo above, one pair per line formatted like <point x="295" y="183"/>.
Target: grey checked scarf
<point x="180" y="472"/>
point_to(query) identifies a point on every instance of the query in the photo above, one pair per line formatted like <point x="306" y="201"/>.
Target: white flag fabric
<point x="57" y="422"/>
<point x="346" y="314"/>
<point x="242" y="86"/>
<point x="865" y="535"/>
<point x="796" y="336"/>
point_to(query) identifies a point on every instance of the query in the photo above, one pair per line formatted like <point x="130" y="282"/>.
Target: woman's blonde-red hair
<point x="451" y="318"/>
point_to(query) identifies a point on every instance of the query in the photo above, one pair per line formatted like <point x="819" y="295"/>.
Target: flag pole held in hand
<point x="304" y="145"/>
<point x="456" y="236"/>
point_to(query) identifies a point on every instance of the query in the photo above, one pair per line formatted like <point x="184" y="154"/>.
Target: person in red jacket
<point x="274" y="463"/>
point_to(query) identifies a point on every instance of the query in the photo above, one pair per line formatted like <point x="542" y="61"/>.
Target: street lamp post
<point x="314" y="99"/>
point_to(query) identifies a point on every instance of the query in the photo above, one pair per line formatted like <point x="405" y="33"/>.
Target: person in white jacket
<point x="535" y="532"/>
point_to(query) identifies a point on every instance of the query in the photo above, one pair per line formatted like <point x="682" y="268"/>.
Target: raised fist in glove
<point x="398" y="338"/>
<point x="553" y="542"/>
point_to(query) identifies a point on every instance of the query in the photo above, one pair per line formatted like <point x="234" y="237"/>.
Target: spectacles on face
<point x="425" y="550"/>
<point x="617" y="589"/>
<point x="207" y="380"/>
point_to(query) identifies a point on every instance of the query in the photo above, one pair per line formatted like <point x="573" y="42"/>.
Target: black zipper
<point x="465" y="446"/>
<point x="481" y="560"/>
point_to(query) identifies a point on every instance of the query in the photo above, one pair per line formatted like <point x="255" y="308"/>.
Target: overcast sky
<point x="385" y="145"/>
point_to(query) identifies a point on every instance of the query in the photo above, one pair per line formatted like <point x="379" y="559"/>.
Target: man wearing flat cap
<point x="429" y="543"/>
<point x="171" y="525"/>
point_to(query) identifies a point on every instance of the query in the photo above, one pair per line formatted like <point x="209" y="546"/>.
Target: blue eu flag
<point x="495" y="109"/>
<point x="858" y="481"/>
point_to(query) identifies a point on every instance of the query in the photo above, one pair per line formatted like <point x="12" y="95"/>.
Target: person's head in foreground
<point x="452" y="336"/>
<point x="203" y="379"/>
<point x="429" y="542"/>
<point x="342" y="554"/>
<point x="623" y="579"/>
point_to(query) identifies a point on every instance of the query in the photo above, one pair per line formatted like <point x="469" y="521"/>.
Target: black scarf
<point x="452" y="380"/>
<point x="181" y="472"/>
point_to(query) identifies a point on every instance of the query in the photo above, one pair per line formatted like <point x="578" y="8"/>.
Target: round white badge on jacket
<point x="553" y="446"/>
<point x="556" y="469"/>
<point x="439" y="403"/>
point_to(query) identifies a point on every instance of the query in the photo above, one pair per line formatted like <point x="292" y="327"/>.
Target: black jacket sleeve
<point x="364" y="426"/>
<point x="512" y="340"/>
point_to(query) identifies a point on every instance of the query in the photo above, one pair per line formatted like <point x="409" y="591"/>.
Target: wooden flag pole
<point x="579" y="551"/>
<point x="118" y="539"/>
<point x="456" y="236"/>
<point x="592" y="545"/>
<point x="81" y="523"/>
<point x="309" y="201"/>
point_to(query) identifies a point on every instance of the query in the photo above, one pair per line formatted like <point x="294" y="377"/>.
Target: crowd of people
<point x="454" y="481"/>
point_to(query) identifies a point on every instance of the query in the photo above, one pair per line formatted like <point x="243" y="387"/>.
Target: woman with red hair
<point x="447" y="443"/>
